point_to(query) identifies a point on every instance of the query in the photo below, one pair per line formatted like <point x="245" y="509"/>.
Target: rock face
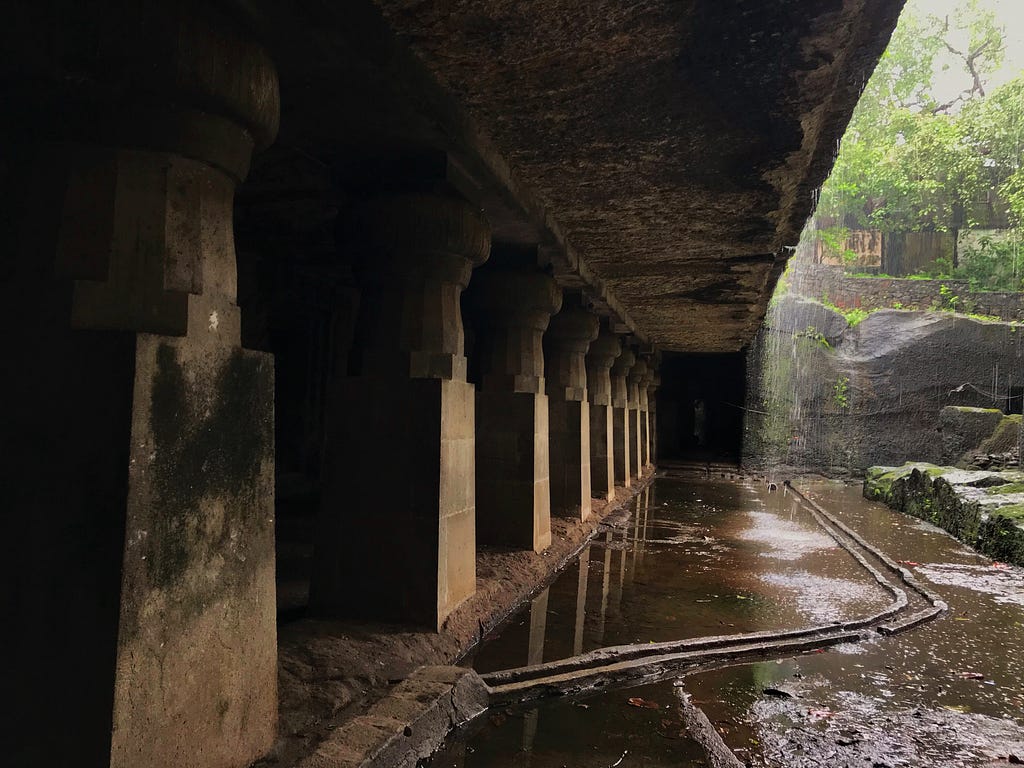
<point x="983" y="509"/>
<point x="964" y="428"/>
<point x="873" y="393"/>
<point x="662" y="154"/>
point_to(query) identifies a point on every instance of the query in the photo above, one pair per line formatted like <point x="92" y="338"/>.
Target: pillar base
<point x="513" y="482"/>
<point x="397" y="523"/>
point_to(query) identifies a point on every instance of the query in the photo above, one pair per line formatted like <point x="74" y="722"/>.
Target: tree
<point x="914" y="158"/>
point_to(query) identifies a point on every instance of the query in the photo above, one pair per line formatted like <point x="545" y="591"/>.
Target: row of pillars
<point x="559" y="413"/>
<point x="140" y="456"/>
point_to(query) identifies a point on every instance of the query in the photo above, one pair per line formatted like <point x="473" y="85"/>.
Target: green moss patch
<point x="1002" y="490"/>
<point x="1005" y="436"/>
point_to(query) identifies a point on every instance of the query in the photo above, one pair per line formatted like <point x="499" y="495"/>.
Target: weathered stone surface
<point x="983" y="509"/>
<point x="875" y="397"/>
<point x="407" y="725"/>
<point x="964" y="428"/>
<point x="679" y="194"/>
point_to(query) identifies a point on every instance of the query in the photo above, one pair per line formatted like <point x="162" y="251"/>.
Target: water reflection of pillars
<point x="581" y="601"/>
<point x="605" y="583"/>
<point x="616" y="590"/>
<point x="534" y="655"/>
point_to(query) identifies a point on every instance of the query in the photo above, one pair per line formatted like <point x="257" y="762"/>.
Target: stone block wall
<point x="823" y="281"/>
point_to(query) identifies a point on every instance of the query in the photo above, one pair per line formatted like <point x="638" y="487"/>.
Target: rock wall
<point x="982" y="509"/>
<point x="828" y="397"/>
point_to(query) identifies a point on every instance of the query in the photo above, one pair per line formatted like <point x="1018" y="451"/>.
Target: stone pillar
<point x="600" y="357"/>
<point x="138" y="443"/>
<point x="397" y="538"/>
<point x="622" y="434"/>
<point x="565" y="349"/>
<point x="645" y="415"/>
<point x="652" y="410"/>
<point x="636" y="375"/>
<point x="512" y="302"/>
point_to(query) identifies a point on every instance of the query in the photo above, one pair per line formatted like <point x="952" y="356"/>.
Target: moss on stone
<point x="1004" y="437"/>
<point x="1010" y="512"/>
<point x="1002" y="490"/>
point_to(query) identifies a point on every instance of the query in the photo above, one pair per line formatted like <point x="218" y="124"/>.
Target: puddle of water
<point x="704" y="558"/>
<point x="696" y="558"/>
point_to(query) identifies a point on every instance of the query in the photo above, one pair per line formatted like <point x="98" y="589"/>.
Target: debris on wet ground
<point x="865" y="734"/>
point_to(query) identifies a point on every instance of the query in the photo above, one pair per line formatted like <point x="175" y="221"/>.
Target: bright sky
<point x="1009" y="13"/>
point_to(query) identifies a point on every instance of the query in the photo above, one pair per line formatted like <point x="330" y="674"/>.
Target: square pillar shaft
<point x="513" y="484"/>
<point x="602" y="452"/>
<point x="406" y="552"/>
<point x="570" y="457"/>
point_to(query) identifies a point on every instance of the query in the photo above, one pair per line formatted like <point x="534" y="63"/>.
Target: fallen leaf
<point x="636" y="701"/>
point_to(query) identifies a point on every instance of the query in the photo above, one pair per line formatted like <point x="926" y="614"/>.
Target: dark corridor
<point x="699" y="407"/>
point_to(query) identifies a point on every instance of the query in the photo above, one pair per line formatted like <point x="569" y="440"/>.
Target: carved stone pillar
<point x="645" y="415"/>
<point x="652" y="409"/>
<point x="600" y="358"/>
<point x="512" y="302"/>
<point x="138" y="462"/>
<point x="622" y="433"/>
<point x="565" y="349"/>
<point x="397" y="524"/>
<point x="636" y="375"/>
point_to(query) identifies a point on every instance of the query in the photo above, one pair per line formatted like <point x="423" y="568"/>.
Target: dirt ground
<point x="331" y="671"/>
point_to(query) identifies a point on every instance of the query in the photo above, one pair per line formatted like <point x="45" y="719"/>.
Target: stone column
<point x="600" y="357"/>
<point x="622" y="434"/>
<point x="512" y="302"/>
<point x="565" y="349"/>
<point x="645" y="415"/>
<point x="652" y="410"/>
<point x="397" y="538"/>
<point x="138" y="440"/>
<point x="635" y="376"/>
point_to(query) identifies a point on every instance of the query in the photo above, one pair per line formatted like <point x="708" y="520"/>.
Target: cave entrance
<point x="700" y="415"/>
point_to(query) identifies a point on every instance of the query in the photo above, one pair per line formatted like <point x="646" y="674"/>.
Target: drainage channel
<point x="580" y="675"/>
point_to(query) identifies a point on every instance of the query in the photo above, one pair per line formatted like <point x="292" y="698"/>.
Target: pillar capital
<point x="603" y="352"/>
<point x="147" y="115"/>
<point x="566" y="342"/>
<point x="512" y="306"/>
<point x="619" y="372"/>
<point x="638" y="372"/>
<point x="413" y="255"/>
<point x="176" y="77"/>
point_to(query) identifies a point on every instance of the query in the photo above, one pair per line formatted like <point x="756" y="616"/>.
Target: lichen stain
<point x="213" y="431"/>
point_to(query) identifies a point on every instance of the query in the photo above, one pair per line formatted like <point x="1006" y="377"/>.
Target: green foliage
<point x="814" y="335"/>
<point x="841" y="392"/>
<point x="853" y="317"/>
<point x="856" y="316"/>
<point x="912" y="161"/>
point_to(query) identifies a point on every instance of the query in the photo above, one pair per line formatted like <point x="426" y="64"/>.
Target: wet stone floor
<point x="705" y="557"/>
